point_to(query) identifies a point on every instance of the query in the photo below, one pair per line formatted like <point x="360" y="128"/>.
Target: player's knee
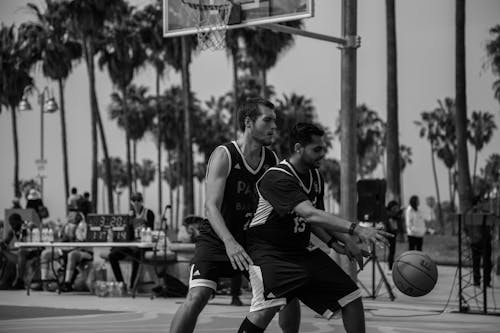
<point x="197" y="298"/>
<point x="262" y="318"/>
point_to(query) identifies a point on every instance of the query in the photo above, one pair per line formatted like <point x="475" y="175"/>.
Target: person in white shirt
<point x="415" y="225"/>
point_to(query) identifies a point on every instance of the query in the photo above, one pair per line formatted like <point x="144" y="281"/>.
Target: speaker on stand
<point x="371" y="209"/>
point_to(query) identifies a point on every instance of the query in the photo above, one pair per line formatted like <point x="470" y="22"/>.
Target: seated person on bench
<point x="73" y="231"/>
<point x="142" y="217"/>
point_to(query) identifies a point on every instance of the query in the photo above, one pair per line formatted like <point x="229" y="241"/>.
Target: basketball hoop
<point x="211" y="17"/>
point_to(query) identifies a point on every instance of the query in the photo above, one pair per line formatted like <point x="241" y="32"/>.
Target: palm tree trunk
<point x="127" y="141"/>
<point x="64" y="140"/>
<point x="438" y="197"/>
<point x="15" y="140"/>
<point x="263" y="83"/>
<point x="348" y="122"/>
<point x="464" y="183"/>
<point x="188" y="148"/>
<point x="234" y="53"/>
<point x="89" y="59"/>
<point x="171" y="191"/>
<point x="158" y="118"/>
<point x="107" y="164"/>
<point x="393" y="168"/>
<point x="134" y="158"/>
<point x="475" y="164"/>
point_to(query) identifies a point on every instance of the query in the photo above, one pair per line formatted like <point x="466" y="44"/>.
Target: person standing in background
<point x="392" y="226"/>
<point x="415" y="225"/>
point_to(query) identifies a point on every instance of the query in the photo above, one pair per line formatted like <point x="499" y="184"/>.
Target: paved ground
<point x="80" y="312"/>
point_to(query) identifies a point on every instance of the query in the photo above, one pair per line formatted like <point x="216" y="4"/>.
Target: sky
<point x="426" y="73"/>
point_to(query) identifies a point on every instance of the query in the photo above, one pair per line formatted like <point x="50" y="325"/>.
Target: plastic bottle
<point x="143" y="234"/>
<point x="29" y="236"/>
<point x="110" y="235"/>
<point x="149" y="236"/>
<point x="35" y="235"/>
<point x="50" y="235"/>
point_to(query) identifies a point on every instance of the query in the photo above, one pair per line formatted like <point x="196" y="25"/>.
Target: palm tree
<point x="57" y="52"/>
<point x="263" y="47"/>
<point x="370" y="139"/>
<point x="123" y="54"/>
<point x="392" y="138"/>
<point x="464" y="182"/>
<point x="139" y="116"/>
<point x="429" y="128"/>
<point x="151" y="31"/>
<point x="14" y="74"/>
<point x="447" y="144"/>
<point x="480" y="132"/>
<point x="215" y="122"/>
<point x="118" y="177"/>
<point x="493" y="52"/>
<point x="179" y="55"/>
<point x="145" y="172"/>
<point x="290" y="110"/>
<point x="87" y="19"/>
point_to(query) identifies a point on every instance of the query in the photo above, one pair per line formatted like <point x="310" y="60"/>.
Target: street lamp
<point x="49" y="106"/>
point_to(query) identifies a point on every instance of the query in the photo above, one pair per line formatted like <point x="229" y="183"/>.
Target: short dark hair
<point x="136" y="196"/>
<point x="302" y="133"/>
<point x="73" y="190"/>
<point x="250" y="108"/>
<point x="86" y="195"/>
<point x="15" y="221"/>
<point x="413" y="202"/>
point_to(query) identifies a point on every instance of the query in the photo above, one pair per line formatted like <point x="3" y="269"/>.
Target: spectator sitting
<point x="7" y="249"/>
<point x="74" y="230"/>
<point x="142" y="217"/>
<point x="21" y="256"/>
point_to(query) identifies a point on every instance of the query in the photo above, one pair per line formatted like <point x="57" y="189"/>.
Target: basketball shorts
<point x="207" y="273"/>
<point x="314" y="278"/>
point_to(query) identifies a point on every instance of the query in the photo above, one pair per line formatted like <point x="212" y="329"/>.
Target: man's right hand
<point x="237" y="255"/>
<point x="372" y="235"/>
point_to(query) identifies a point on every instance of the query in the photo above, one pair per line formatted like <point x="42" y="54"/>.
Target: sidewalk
<point x="80" y="312"/>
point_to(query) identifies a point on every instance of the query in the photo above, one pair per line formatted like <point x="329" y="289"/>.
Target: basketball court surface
<point x="80" y="312"/>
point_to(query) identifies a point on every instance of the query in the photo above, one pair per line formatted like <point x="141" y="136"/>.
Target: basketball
<point x="414" y="273"/>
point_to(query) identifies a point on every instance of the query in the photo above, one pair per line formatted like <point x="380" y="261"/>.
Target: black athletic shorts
<point x="313" y="277"/>
<point x="207" y="273"/>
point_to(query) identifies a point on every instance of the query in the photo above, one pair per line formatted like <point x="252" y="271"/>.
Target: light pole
<point x="49" y="106"/>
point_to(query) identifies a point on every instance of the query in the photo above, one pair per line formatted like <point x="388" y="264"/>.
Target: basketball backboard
<point x="180" y="18"/>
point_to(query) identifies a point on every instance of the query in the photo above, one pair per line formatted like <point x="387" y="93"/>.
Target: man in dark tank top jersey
<point x="232" y="171"/>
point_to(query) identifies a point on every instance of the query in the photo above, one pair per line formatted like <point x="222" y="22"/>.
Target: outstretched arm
<point x="335" y="223"/>
<point x="217" y="171"/>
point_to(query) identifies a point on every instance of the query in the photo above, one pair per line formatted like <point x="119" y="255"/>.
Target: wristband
<point x="351" y="228"/>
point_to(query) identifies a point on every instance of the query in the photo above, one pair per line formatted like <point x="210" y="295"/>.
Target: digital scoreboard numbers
<point x="108" y="227"/>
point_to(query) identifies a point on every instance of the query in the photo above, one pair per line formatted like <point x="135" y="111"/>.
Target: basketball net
<point x="211" y="17"/>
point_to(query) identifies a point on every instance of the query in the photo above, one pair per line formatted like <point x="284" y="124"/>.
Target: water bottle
<point x="35" y="235"/>
<point x="50" y="235"/>
<point x="121" y="288"/>
<point x="148" y="235"/>
<point x="29" y="237"/>
<point x="110" y="235"/>
<point x="143" y="234"/>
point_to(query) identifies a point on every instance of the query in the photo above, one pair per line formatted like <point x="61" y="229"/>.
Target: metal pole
<point x="460" y="305"/>
<point x="348" y="119"/>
